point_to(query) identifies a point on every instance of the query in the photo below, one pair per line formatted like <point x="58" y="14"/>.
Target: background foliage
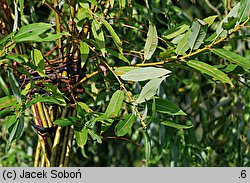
<point x="144" y="83"/>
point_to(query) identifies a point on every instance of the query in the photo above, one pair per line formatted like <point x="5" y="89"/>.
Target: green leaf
<point x="4" y="86"/>
<point x="6" y="113"/>
<point x="28" y="32"/>
<point x="243" y="11"/>
<point x="197" y="34"/>
<point x="210" y="70"/>
<point x="151" y="42"/>
<point x="26" y="90"/>
<point x="64" y="122"/>
<point x="94" y="136"/>
<point x="15" y="131"/>
<point x="124" y="125"/>
<point x="145" y="112"/>
<point x="81" y="136"/>
<point x="83" y="106"/>
<point x="122" y="70"/>
<point x="149" y="90"/>
<point x="210" y="20"/>
<point x="12" y="125"/>
<point x="47" y="99"/>
<point x="115" y="104"/>
<point x="183" y="46"/>
<point x="233" y="13"/>
<point x="112" y="32"/>
<point x="84" y="50"/>
<point x="175" y="31"/>
<point x="14" y="86"/>
<point x="20" y="127"/>
<point x="147" y="146"/>
<point x="38" y="60"/>
<point x="99" y="36"/>
<point x="232" y="57"/>
<point x="118" y="55"/>
<point x="7" y="101"/>
<point x="153" y="112"/>
<point x="142" y="74"/>
<point x="10" y="121"/>
<point x="175" y="125"/>
<point x="230" y="24"/>
<point x="166" y="107"/>
<point x="6" y="38"/>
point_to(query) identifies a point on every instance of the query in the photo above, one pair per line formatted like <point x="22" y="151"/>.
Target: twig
<point x="213" y="8"/>
<point x="127" y="93"/>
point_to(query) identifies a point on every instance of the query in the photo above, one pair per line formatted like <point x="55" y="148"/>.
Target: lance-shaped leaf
<point x="81" y="136"/>
<point x="210" y="20"/>
<point x="36" y="32"/>
<point x="233" y="13"/>
<point x="4" y="86"/>
<point x="115" y="104"/>
<point x="118" y="55"/>
<point x="151" y="42"/>
<point x="175" y="125"/>
<point x="142" y="74"/>
<point x="175" y="31"/>
<point x="14" y="86"/>
<point x="166" y="107"/>
<point x="197" y="34"/>
<point x="210" y="70"/>
<point x="124" y="125"/>
<point x="98" y="35"/>
<point x="31" y="30"/>
<point x="84" y="50"/>
<point x="5" y="39"/>
<point x="38" y="60"/>
<point x="147" y="146"/>
<point x="94" y="136"/>
<point x="112" y="32"/>
<point x="183" y="46"/>
<point x="153" y="112"/>
<point x="122" y="70"/>
<point x="5" y="113"/>
<point x="232" y="57"/>
<point x="56" y="99"/>
<point x="149" y="90"/>
<point x="7" y="101"/>
<point x="65" y="121"/>
<point x="243" y="11"/>
<point x="15" y="129"/>
<point x="230" y="24"/>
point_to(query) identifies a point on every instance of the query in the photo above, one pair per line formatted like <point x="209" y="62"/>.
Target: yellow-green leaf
<point x="122" y="70"/>
<point x="175" y="125"/>
<point x="210" y="70"/>
<point x="232" y="57"/>
<point x="81" y="136"/>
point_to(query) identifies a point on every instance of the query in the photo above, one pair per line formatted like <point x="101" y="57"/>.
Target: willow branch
<point x="127" y="93"/>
